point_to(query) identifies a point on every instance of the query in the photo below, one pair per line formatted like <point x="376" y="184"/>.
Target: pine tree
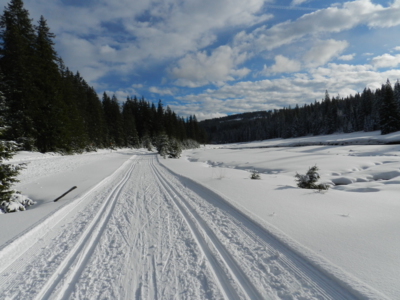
<point x="163" y="145"/>
<point x="389" y="111"/>
<point x="159" y="118"/>
<point x="8" y="172"/>
<point x="174" y="148"/>
<point x="309" y="180"/>
<point x="113" y="120"/>
<point x="397" y="92"/>
<point x="73" y="120"/>
<point x="47" y="117"/>
<point x="129" y="126"/>
<point x="17" y="61"/>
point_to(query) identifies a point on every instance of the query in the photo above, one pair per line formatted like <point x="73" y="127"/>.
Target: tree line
<point x="49" y="108"/>
<point x="368" y="111"/>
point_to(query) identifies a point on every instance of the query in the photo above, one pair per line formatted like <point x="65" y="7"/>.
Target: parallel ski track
<point x="300" y="268"/>
<point x="69" y="271"/>
<point x="200" y="231"/>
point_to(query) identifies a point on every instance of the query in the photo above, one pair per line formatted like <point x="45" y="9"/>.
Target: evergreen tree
<point x="309" y="180"/>
<point x="8" y="172"/>
<point x="163" y="145"/>
<point x="159" y="118"/>
<point x="47" y="117"/>
<point x="72" y="119"/>
<point x="389" y="111"/>
<point x="129" y="126"/>
<point x="174" y="148"/>
<point x="397" y="92"/>
<point x="17" y="60"/>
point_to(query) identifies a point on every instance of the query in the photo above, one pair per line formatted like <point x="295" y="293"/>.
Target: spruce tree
<point x="389" y="111"/>
<point x="8" y="172"/>
<point x="129" y="126"/>
<point x="48" y="119"/>
<point x="397" y="92"/>
<point x="163" y="145"/>
<point x="17" y="61"/>
<point x="174" y="148"/>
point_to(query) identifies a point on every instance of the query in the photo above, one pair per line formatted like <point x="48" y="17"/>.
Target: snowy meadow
<point x="350" y="231"/>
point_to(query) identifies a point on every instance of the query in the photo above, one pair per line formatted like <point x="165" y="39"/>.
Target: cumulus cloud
<point x="299" y="88"/>
<point x="162" y="91"/>
<point x="347" y="57"/>
<point x="200" y="69"/>
<point x="323" y="51"/>
<point x="282" y="65"/>
<point x="330" y="20"/>
<point x="297" y="2"/>
<point x="386" y="61"/>
<point x="138" y="33"/>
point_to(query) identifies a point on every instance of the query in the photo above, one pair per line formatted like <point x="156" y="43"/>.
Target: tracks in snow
<point x="71" y="268"/>
<point x="67" y="269"/>
<point x="148" y="234"/>
<point x="289" y="275"/>
<point x="206" y="239"/>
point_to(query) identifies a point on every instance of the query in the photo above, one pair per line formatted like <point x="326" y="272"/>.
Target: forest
<point x="368" y="111"/>
<point x="46" y="107"/>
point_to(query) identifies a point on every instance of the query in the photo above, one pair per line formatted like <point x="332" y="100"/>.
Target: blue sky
<point x="212" y="58"/>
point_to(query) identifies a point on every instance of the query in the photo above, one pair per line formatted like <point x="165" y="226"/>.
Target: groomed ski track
<point x="145" y="233"/>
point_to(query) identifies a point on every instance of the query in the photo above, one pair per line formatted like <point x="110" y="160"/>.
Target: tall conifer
<point x="17" y="60"/>
<point x="389" y="111"/>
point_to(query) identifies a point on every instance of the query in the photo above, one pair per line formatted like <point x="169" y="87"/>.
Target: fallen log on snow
<point x="71" y="189"/>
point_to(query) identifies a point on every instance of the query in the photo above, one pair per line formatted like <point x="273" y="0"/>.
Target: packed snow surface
<point x="142" y="227"/>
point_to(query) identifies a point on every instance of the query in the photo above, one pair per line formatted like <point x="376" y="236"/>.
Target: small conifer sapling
<point x="309" y="180"/>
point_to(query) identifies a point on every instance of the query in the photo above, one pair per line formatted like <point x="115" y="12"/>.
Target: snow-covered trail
<point x="146" y="233"/>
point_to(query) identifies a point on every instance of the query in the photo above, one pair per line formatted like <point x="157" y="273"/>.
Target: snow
<point x="200" y="228"/>
<point x="353" y="226"/>
<point x="17" y="202"/>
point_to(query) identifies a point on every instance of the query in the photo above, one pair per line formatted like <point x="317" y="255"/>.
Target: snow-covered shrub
<point x="174" y="149"/>
<point x="308" y="181"/>
<point x="162" y="145"/>
<point x="255" y="175"/>
<point x="17" y="202"/>
<point x="190" y="144"/>
<point x="146" y="143"/>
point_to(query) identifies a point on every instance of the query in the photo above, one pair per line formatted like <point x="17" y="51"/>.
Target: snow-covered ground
<point x="141" y="227"/>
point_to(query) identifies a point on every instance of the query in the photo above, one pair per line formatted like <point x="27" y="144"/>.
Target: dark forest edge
<point x="368" y="111"/>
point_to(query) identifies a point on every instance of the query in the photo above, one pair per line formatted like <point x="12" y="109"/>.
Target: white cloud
<point x="160" y="91"/>
<point x="106" y="49"/>
<point x="347" y="57"/>
<point x="200" y="69"/>
<point x="396" y="48"/>
<point x="386" y="61"/>
<point x="125" y="35"/>
<point x="329" y="20"/>
<point x="297" y="2"/>
<point x="323" y="51"/>
<point x="282" y="65"/>
<point x="299" y="88"/>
